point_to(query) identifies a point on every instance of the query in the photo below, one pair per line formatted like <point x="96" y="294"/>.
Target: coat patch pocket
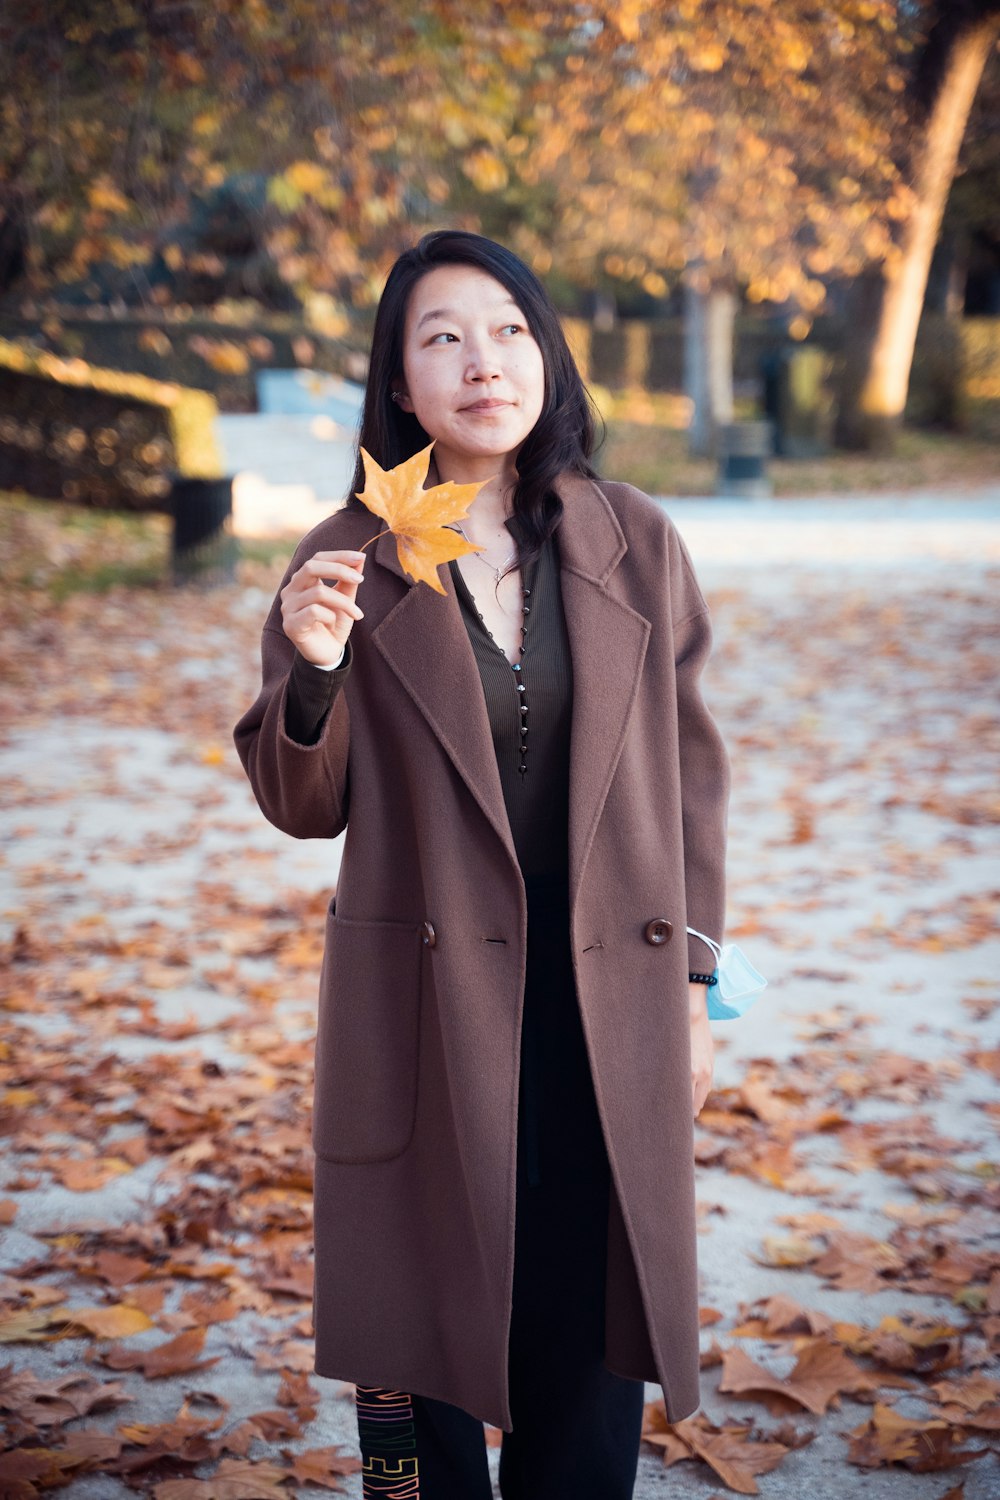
<point x="367" y="1039"/>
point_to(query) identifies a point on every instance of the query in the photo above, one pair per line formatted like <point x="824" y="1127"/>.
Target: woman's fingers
<point x="342" y="571"/>
<point x="323" y="593"/>
<point x="318" y="601"/>
<point x="324" y="614"/>
<point x="334" y="572"/>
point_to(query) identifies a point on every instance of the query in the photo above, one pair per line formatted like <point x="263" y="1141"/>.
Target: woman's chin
<point x="489" y="446"/>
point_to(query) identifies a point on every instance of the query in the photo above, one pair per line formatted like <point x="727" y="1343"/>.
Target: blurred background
<point x="772" y="231"/>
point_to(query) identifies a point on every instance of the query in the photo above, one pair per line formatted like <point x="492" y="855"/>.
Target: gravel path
<point x="848" y="1152"/>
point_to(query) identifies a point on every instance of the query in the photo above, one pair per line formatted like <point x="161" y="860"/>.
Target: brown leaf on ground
<point x="822" y="1372"/>
<point x="235" y="1479"/>
<point x="176" y="1356"/>
<point x="987" y="1419"/>
<point x="24" y="1466"/>
<point x="297" y="1390"/>
<point x="989" y="1060"/>
<point x="185" y="1439"/>
<point x="782" y="1316"/>
<point x="118" y="1270"/>
<point x="923" y="1445"/>
<point x="922" y="1345"/>
<point x="971" y="1393"/>
<point x="736" y="1451"/>
<point x="853" y="1261"/>
<point x="273" y="1426"/>
<point x="86" y="1176"/>
<point x="731" y="1452"/>
<point x="46" y="1403"/>
<point x="788" y="1250"/>
<point x="323" y="1466"/>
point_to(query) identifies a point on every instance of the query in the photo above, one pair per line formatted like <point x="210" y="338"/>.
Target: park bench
<point x="113" y="440"/>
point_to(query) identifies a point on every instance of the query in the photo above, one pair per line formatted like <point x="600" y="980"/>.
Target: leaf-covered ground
<point x="161" y="946"/>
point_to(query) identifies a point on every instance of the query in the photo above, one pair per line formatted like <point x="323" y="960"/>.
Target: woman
<point x="512" y="1037"/>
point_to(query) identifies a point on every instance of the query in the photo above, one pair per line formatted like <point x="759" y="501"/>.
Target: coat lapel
<point x="608" y="644"/>
<point x="424" y="640"/>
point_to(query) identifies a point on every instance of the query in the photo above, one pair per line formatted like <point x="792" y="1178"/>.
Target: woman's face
<point x="473" y="374"/>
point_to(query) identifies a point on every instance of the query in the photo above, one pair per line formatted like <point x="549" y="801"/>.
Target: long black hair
<point x="564" y="436"/>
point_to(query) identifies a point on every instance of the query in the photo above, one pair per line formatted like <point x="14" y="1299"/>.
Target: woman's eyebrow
<point x="448" y="312"/>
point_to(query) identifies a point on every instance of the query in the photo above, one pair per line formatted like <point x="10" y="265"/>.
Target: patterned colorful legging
<point x="576" y="1426"/>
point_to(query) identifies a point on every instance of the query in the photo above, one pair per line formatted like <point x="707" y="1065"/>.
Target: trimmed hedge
<point x="100" y="437"/>
<point x="200" y="352"/>
<point x="956" y="371"/>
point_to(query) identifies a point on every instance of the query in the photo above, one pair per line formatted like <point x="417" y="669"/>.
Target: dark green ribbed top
<point x="537" y="798"/>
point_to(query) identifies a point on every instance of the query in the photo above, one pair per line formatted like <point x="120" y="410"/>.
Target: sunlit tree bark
<point x="890" y="301"/>
<point x="709" y="318"/>
<point x="729" y="148"/>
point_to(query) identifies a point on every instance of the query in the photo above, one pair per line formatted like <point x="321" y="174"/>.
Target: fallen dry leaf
<point x="117" y="1322"/>
<point x="323" y="1466"/>
<point x="235" y="1479"/>
<point x="923" y="1445"/>
<point x="176" y="1356"/>
<point x="822" y="1371"/>
<point x="732" y="1451"/>
<point x="47" y="1403"/>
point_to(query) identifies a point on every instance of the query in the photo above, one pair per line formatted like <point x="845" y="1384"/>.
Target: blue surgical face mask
<point x="739" y="982"/>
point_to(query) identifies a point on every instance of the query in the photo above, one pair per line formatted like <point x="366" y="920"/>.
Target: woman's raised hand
<point x="318" y="605"/>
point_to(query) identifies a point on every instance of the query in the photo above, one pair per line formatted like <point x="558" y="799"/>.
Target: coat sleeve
<point x="311" y="691"/>
<point x="704" y="764"/>
<point x="300" y="788"/>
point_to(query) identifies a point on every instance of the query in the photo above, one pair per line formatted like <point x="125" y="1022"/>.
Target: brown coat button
<point x="659" y="930"/>
<point x="428" y="934"/>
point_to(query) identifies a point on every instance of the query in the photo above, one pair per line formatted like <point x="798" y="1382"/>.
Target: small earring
<point x="394" y="395"/>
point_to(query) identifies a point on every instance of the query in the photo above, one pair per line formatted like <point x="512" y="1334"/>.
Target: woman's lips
<point x="485" y="406"/>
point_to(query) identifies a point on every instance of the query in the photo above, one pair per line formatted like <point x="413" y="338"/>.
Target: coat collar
<point x="424" y="640"/>
<point x="590" y="539"/>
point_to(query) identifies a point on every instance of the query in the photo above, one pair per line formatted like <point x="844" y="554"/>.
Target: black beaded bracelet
<point x="703" y="979"/>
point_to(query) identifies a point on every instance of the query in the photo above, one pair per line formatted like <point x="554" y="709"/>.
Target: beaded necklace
<point x="517" y="666"/>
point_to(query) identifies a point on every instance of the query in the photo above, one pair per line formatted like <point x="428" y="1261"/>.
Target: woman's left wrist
<point x="697" y="1000"/>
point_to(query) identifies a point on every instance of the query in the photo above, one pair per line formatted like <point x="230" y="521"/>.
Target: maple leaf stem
<point x="370" y="540"/>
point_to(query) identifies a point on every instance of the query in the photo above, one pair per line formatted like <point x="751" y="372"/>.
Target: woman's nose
<point x="483" y="361"/>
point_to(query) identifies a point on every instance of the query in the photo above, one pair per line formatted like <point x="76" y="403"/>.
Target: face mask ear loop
<point x="711" y="943"/>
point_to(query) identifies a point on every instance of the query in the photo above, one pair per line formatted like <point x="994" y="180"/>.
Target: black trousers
<point x="576" y="1426"/>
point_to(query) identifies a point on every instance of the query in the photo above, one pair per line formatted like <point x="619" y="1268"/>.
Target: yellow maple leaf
<point x="118" y="1321"/>
<point x="416" y="516"/>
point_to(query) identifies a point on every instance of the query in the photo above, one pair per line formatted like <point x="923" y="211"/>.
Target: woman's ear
<point x="399" y="394"/>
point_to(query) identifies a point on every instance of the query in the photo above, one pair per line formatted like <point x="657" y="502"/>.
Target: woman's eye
<point x="517" y="327"/>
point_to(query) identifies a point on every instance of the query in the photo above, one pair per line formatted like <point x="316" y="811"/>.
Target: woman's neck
<point x="492" y="504"/>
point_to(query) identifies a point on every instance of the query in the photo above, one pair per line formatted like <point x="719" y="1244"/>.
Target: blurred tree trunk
<point x="709" y="317"/>
<point x="882" y="326"/>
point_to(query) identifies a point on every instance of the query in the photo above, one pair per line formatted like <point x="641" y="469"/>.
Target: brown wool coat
<point x="414" y="1120"/>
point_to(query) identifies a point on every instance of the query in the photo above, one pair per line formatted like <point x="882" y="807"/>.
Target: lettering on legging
<point x="388" y="1437"/>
